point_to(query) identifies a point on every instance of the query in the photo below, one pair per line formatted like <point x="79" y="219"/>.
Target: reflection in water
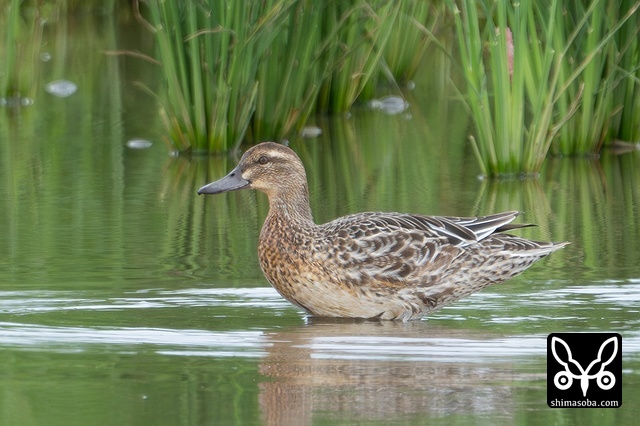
<point x="588" y="202"/>
<point x="378" y="371"/>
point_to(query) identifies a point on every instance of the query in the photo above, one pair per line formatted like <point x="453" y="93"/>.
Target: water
<point x="127" y="299"/>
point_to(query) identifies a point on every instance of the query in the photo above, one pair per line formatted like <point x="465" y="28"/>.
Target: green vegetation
<point x="290" y="72"/>
<point x="595" y="53"/>
<point x="533" y="70"/>
<point x="209" y="72"/>
<point x="20" y="41"/>
<point x="627" y="94"/>
<point x="358" y="33"/>
<point x="27" y="32"/>
<point x="258" y="70"/>
<point x="536" y="77"/>
<point x="410" y="36"/>
<point x="558" y="92"/>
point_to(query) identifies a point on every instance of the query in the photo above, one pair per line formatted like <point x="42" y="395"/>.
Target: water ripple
<point x="426" y="349"/>
<point x="74" y="339"/>
<point x="439" y="349"/>
<point x="435" y="339"/>
<point x="30" y="302"/>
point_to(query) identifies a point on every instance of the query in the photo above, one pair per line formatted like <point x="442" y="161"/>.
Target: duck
<point x="373" y="265"/>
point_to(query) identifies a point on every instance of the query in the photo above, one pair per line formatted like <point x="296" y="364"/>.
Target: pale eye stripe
<point x="279" y="155"/>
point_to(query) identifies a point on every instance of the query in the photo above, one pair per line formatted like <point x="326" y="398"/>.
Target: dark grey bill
<point x="230" y="182"/>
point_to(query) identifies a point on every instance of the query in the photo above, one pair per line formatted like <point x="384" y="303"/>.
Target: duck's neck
<point x="292" y="204"/>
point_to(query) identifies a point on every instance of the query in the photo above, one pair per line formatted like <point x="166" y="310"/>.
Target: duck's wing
<point x="459" y="231"/>
<point x="390" y="248"/>
<point x="483" y="226"/>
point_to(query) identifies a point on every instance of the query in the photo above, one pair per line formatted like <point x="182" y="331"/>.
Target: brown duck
<point x="372" y="265"/>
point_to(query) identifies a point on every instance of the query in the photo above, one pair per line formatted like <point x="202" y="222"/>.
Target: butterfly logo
<point x="564" y="379"/>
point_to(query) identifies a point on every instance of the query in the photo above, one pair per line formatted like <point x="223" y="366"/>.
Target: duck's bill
<point x="230" y="182"/>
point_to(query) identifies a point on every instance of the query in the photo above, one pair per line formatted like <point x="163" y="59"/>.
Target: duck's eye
<point x="263" y="160"/>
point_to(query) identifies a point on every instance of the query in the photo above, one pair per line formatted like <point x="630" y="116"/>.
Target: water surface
<point x="127" y="299"/>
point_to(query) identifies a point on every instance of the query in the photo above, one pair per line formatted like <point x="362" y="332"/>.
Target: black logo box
<point x="584" y="370"/>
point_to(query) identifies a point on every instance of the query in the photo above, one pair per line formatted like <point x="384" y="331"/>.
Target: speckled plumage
<point x="372" y="265"/>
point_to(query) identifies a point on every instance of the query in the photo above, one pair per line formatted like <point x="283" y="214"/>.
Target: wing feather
<point x="401" y="248"/>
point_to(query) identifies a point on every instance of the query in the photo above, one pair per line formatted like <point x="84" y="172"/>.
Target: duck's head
<point x="268" y="167"/>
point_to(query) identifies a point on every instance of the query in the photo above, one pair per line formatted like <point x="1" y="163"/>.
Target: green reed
<point x="11" y="27"/>
<point x="595" y="53"/>
<point x="258" y="70"/>
<point x="290" y="73"/>
<point x="206" y="56"/>
<point x="627" y="94"/>
<point x="410" y="36"/>
<point x="507" y="141"/>
<point x="520" y="101"/>
<point x="586" y="130"/>
<point x="358" y="32"/>
<point x="324" y="56"/>
<point x="20" y="43"/>
<point x="23" y="37"/>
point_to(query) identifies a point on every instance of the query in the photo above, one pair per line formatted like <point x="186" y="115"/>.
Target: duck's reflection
<point x="380" y="370"/>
